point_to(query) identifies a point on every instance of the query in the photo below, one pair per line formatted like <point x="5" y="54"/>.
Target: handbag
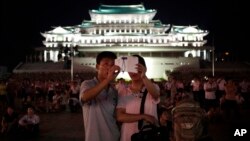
<point x="148" y="132"/>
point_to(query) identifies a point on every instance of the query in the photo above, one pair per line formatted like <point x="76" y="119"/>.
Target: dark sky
<point x="23" y="21"/>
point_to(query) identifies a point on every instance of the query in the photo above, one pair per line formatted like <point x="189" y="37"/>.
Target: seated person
<point x="56" y="101"/>
<point x="74" y="90"/>
<point x="73" y="104"/>
<point x="41" y="105"/>
<point x="9" y="121"/>
<point x="166" y="102"/>
<point x="27" y="103"/>
<point x="165" y="124"/>
<point x="29" y="123"/>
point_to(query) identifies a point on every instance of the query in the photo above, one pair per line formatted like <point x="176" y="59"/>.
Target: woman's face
<point x="135" y="76"/>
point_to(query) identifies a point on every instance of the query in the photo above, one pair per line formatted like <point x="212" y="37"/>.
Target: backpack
<point x="188" y="121"/>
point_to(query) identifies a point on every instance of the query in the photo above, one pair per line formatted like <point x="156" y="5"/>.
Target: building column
<point x="205" y="55"/>
<point x="45" y="56"/>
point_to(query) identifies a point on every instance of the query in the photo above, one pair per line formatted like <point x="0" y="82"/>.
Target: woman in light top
<point x="230" y="103"/>
<point x="129" y="102"/>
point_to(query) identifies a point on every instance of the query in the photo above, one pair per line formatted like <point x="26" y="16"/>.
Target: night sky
<point x="23" y="21"/>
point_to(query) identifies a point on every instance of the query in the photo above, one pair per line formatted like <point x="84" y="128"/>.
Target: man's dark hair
<point x="105" y="54"/>
<point x="10" y="106"/>
<point x="160" y="111"/>
<point x="140" y="60"/>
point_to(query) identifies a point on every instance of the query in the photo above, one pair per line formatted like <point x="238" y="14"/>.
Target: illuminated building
<point x="126" y="30"/>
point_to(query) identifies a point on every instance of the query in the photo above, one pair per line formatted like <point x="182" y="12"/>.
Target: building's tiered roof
<point x="122" y="9"/>
<point x="187" y="29"/>
<point x="57" y="31"/>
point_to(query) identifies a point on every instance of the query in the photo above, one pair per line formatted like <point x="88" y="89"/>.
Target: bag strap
<point x="140" y="122"/>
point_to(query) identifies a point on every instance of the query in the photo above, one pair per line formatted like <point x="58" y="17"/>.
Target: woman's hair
<point x="140" y="60"/>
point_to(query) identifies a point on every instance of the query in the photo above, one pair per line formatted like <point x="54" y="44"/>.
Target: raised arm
<point x="91" y="93"/>
<point x="152" y="89"/>
<point x="88" y="94"/>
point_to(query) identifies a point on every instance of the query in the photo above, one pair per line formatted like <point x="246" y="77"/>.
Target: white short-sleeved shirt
<point x="210" y="94"/>
<point x="132" y="104"/>
<point x="34" y="119"/>
<point x="99" y="114"/>
<point x="221" y="84"/>
<point x="196" y="85"/>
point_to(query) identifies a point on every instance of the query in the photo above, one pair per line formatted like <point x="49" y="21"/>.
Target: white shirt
<point x="132" y="103"/>
<point x="210" y="94"/>
<point x="34" y="119"/>
<point x="221" y="84"/>
<point x="99" y="114"/>
<point x="196" y="85"/>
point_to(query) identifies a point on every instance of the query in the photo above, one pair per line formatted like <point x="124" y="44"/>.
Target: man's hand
<point x="113" y="72"/>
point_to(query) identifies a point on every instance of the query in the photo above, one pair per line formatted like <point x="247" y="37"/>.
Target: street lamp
<point x="213" y="62"/>
<point x="72" y="61"/>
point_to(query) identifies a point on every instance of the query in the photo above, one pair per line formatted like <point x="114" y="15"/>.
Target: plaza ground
<point x="67" y="126"/>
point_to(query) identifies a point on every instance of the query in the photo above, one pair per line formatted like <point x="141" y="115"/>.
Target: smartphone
<point x="127" y="63"/>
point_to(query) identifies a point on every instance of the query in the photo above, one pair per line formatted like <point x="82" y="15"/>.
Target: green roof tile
<point x="122" y="9"/>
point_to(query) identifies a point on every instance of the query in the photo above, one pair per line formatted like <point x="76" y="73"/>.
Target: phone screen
<point x="127" y="63"/>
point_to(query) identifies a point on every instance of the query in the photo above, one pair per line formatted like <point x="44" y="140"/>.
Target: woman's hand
<point x="142" y="70"/>
<point x="150" y="119"/>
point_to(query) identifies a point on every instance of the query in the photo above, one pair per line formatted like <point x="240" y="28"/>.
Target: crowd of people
<point x="112" y="108"/>
<point x="23" y="126"/>
<point x="27" y="96"/>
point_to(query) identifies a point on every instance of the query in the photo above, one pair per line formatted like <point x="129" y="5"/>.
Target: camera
<point x="127" y="63"/>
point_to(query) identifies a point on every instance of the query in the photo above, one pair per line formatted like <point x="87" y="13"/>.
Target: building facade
<point x="126" y="30"/>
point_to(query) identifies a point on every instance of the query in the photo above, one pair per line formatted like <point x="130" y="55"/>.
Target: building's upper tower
<point x="122" y="14"/>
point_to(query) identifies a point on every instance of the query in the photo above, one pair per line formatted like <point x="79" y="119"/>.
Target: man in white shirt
<point x="211" y="103"/>
<point x="221" y="82"/>
<point x="99" y="99"/>
<point x="29" y="123"/>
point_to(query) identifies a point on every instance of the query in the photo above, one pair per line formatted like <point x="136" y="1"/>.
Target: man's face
<point x="165" y="115"/>
<point x="210" y="79"/>
<point x="104" y="66"/>
<point x="30" y="111"/>
<point x="9" y="110"/>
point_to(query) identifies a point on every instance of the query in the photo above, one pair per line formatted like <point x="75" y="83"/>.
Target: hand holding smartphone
<point x="127" y="63"/>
